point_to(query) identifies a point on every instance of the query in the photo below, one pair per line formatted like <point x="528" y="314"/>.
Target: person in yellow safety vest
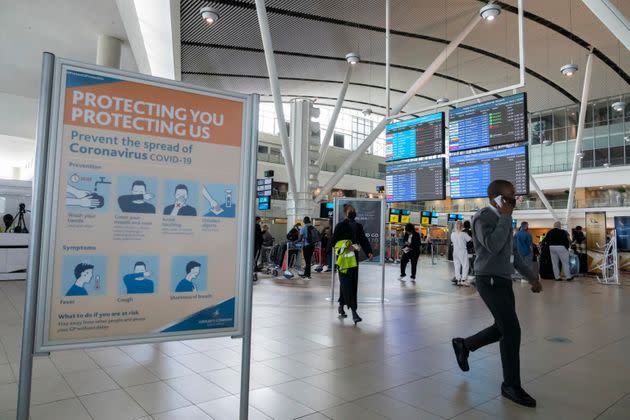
<point x="348" y="230"/>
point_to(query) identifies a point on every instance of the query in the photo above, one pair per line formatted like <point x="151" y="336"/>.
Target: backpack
<point x="313" y="235"/>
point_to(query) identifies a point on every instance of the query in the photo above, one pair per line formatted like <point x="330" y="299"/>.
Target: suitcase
<point x="574" y="264"/>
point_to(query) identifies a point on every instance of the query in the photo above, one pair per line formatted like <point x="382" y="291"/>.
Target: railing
<point x="365" y="173"/>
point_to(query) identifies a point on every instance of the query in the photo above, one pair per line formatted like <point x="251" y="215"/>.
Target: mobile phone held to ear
<point x="499" y="201"/>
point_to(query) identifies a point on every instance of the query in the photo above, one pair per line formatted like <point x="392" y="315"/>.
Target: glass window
<point x="601" y="113"/>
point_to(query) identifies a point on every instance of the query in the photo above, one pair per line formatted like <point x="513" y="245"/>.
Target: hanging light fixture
<point x="209" y="14"/>
<point x="353" y="58"/>
<point x="619" y="106"/>
<point x="607" y="165"/>
<point x="569" y="69"/>
<point x="442" y="100"/>
<point x="489" y="12"/>
<point x="367" y="112"/>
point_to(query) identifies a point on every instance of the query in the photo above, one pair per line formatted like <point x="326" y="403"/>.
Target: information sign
<point x="147" y="194"/>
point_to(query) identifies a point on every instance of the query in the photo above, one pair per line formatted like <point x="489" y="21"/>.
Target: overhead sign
<point x="264" y="187"/>
<point x="147" y="204"/>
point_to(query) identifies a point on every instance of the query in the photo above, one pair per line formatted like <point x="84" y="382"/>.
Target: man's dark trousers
<point x="308" y="256"/>
<point x="498" y="295"/>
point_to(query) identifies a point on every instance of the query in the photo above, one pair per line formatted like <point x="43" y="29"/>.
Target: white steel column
<point x="108" y="51"/>
<point x="542" y="197"/>
<point x="387" y="57"/>
<point x="610" y="16"/>
<point x="300" y="202"/>
<point x="580" y="133"/>
<point x="418" y="84"/>
<point x="275" y="91"/>
<point x="335" y="114"/>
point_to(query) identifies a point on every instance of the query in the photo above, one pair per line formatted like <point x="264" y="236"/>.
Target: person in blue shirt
<point x="83" y="274"/>
<point x="138" y="281"/>
<point x="523" y="240"/>
<point x="308" y="248"/>
<point x="192" y="272"/>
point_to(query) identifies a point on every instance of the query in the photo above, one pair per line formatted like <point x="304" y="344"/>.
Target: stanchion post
<point x="249" y="267"/>
<point x="37" y="208"/>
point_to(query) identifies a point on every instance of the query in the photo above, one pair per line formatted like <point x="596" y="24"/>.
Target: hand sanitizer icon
<point x="228" y="198"/>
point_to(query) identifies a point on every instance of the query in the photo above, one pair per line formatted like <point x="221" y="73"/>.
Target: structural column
<point x="108" y="51"/>
<point x="300" y="203"/>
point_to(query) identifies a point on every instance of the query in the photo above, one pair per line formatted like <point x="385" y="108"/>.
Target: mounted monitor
<point x="405" y="216"/>
<point x="491" y="123"/>
<point x="394" y="215"/>
<point x="419" y="137"/>
<point x="470" y="174"/>
<point x="418" y="180"/>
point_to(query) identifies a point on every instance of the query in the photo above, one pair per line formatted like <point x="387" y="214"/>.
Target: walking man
<point x="492" y="236"/>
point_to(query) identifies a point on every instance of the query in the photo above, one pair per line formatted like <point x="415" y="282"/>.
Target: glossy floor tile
<point x="308" y="364"/>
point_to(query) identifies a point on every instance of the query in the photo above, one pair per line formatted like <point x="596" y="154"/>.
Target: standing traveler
<point x="307" y="238"/>
<point x="579" y="245"/>
<point x="351" y="233"/>
<point x="524" y="243"/>
<point x="258" y="240"/>
<point x="410" y="251"/>
<point x="492" y="235"/>
<point x="470" y="248"/>
<point x="559" y="242"/>
<point x="293" y="236"/>
<point x="460" y="240"/>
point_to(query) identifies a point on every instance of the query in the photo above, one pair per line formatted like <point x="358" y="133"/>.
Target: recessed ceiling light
<point x="569" y="69"/>
<point x="209" y="14"/>
<point x="489" y="12"/>
<point x="353" y="58"/>
<point x="619" y="106"/>
<point x="442" y="100"/>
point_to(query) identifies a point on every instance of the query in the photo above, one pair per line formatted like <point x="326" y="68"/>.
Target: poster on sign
<point x="148" y="201"/>
<point x="595" y="240"/>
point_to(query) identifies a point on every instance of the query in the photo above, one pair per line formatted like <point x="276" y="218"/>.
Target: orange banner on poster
<point x="149" y="110"/>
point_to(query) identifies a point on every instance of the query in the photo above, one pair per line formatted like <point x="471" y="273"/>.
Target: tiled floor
<point x="307" y="364"/>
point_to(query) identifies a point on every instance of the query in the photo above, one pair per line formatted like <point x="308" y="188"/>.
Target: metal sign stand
<point x="40" y="197"/>
<point x="32" y="279"/>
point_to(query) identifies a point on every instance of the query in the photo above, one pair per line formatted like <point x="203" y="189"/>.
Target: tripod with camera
<point x="18" y="220"/>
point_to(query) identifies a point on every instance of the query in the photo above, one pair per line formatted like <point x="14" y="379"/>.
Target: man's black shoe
<point x="518" y="395"/>
<point x="461" y="353"/>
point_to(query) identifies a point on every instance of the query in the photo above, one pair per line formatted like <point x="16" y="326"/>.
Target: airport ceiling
<point x="312" y="37"/>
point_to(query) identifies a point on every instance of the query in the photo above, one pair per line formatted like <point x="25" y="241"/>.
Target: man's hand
<point x="537" y="286"/>
<point x="370" y="257"/>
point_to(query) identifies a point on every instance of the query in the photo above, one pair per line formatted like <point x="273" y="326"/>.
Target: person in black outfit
<point x="470" y="247"/>
<point x="492" y="234"/>
<point x="349" y="229"/>
<point x="559" y="243"/>
<point x="258" y="240"/>
<point x="411" y="251"/>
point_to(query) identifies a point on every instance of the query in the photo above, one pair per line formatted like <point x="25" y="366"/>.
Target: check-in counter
<point x="13" y="255"/>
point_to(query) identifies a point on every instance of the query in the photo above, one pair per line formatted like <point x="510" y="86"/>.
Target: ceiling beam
<point x="374" y="28"/>
<point x="299" y="79"/>
<point x="610" y="16"/>
<point x="569" y="35"/>
<point x="340" y="59"/>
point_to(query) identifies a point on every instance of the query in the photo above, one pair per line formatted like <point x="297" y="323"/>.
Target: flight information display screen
<point x="419" y="137"/>
<point x="470" y="174"/>
<point x="491" y="123"/>
<point x="413" y="181"/>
